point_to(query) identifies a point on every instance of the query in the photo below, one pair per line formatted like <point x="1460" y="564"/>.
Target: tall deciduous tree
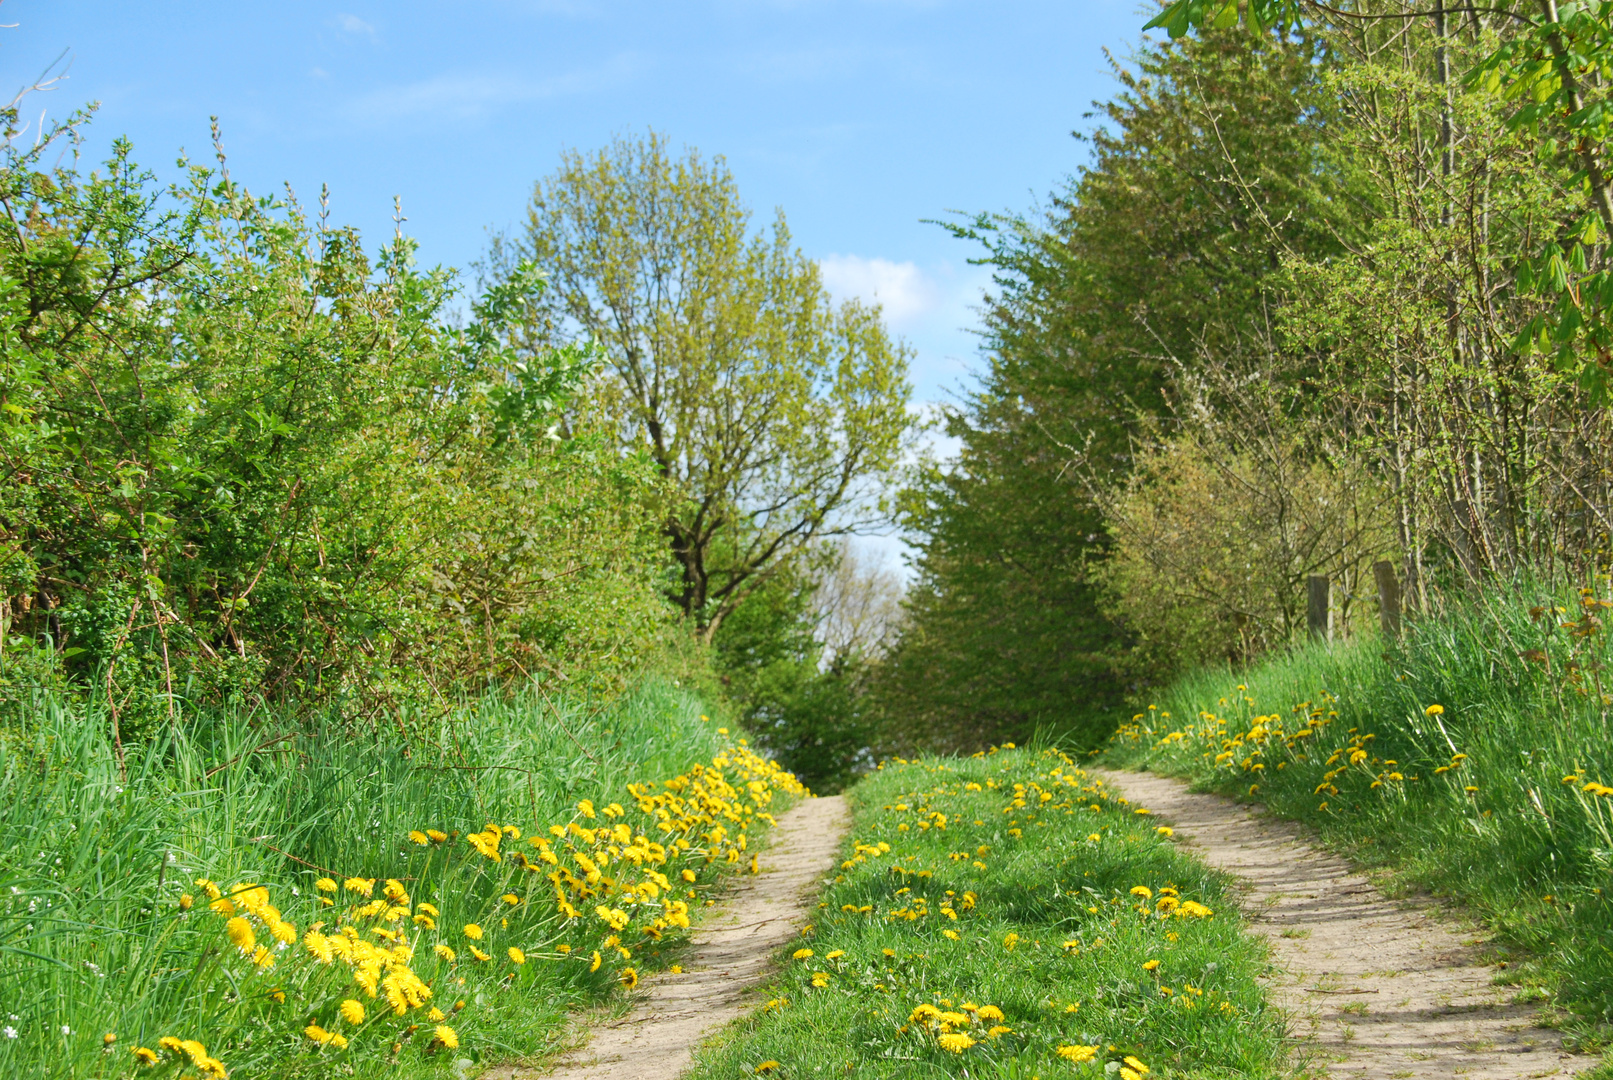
<point x="774" y="415"/>
<point x="1210" y="170"/>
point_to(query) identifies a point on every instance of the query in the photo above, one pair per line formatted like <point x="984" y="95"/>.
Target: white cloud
<point x="902" y="289"/>
<point x="469" y="97"/>
<point x="352" y="24"/>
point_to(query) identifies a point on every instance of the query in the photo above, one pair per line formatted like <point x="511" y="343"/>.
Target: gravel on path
<point x="728" y="957"/>
<point x="1372" y="988"/>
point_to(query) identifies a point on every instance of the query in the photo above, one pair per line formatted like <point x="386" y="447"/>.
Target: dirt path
<point x="1372" y="988"/>
<point x="727" y="958"/>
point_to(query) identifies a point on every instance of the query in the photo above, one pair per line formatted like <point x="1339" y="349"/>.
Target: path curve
<point x="1372" y="988"/>
<point x="729" y="956"/>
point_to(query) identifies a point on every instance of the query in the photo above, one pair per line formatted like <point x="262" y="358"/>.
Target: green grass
<point x="1490" y="798"/>
<point x="95" y="938"/>
<point x="1048" y="931"/>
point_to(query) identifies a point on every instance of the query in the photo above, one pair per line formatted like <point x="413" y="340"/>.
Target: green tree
<point x="774" y="416"/>
<point x="1213" y="167"/>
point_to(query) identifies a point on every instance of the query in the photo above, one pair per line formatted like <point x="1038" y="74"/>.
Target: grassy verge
<point x="248" y="898"/>
<point x="1006" y="916"/>
<point x="1471" y="757"/>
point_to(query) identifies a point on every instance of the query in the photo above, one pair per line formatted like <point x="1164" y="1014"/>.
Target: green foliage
<point x="1157" y="254"/>
<point x="1220" y="523"/>
<point x="1006" y="881"/>
<point x="774" y="417"/>
<point x="806" y="710"/>
<point x="1551" y="69"/>
<point x="1470" y="757"/>
<point x="239" y="458"/>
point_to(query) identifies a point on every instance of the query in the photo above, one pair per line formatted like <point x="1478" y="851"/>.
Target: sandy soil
<point x="727" y="959"/>
<point x="1371" y="987"/>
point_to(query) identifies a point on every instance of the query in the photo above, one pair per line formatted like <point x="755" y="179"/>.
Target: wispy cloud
<point x="474" y="96"/>
<point x="352" y="24"/>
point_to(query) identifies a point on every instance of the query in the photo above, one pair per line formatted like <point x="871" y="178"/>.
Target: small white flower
<point x="66" y="1030"/>
<point x="11" y="1032"/>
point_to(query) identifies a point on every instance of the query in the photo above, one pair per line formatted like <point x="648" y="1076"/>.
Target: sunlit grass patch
<point x="360" y="906"/>
<point x="1008" y="915"/>
<point x="1472" y="757"/>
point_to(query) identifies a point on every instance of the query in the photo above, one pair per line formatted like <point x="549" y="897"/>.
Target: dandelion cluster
<point x="368" y="966"/>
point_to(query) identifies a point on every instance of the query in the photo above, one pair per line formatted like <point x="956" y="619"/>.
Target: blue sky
<point x="859" y="118"/>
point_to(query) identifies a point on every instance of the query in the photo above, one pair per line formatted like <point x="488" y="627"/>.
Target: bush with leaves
<point x="241" y="457"/>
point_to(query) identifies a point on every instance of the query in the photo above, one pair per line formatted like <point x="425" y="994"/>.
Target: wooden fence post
<point x="1388" y="598"/>
<point x="1318" y="609"/>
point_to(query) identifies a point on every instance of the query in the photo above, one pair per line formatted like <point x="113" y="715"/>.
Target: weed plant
<point x="1472" y="756"/>
<point x="249" y="898"/>
<point x="1006" y="915"/>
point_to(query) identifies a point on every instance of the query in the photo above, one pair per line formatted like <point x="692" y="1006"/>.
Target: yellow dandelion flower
<point x="954" y="1042"/>
<point x="1152" y="965"/>
<point x="436" y="1014"/>
<point x="263" y="958"/>
<point x="317" y="1034"/>
<point x="990" y="1013"/>
<point x="1165" y="831"/>
<point x="446" y="1036"/>
<point x="428" y="909"/>
<point x="510" y="899"/>
<point x="765" y="1067"/>
<point x="1009" y="941"/>
<point x="598" y="960"/>
<point x="185" y="901"/>
<point x="1142" y="892"/>
<point x="1078" y="1054"/>
<point x="562" y="948"/>
<point x="835" y="954"/>
<point x="820" y="979"/>
<point x="999" y="1031"/>
<point x="362" y="886"/>
<point x="325" y="884"/>
<point x="436" y="836"/>
<point x="516" y="955"/>
<point x="629" y="978"/>
<point x="1434" y="710"/>
<point x="319" y="946"/>
<point x="145" y="1055"/>
<point x="689" y="876"/>
<point x="445" y="952"/>
<point x="240" y="932"/>
<point x="802" y="954"/>
<point x="473" y="931"/>
<point x="418" y="837"/>
<point x="480" y="955"/>
<point x="1135" y="1064"/>
<point x="352" y="1011"/>
<point x="338" y="1041"/>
